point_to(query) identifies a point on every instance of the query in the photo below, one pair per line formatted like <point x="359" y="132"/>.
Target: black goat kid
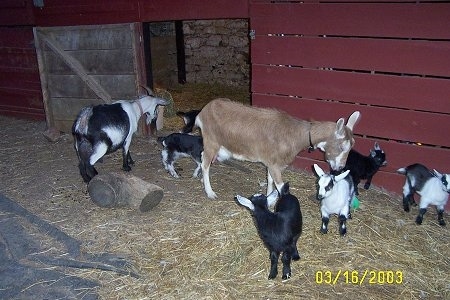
<point x="364" y="167"/>
<point x="280" y="229"/>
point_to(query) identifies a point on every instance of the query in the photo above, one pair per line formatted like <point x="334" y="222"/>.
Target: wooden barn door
<point x="391" y="61"/>
<point x="84" y="65"/>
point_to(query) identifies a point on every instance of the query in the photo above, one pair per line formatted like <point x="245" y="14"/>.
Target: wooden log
<point x="124" y="190"/>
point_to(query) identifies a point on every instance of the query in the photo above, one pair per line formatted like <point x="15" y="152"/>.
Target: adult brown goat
<point x="233" y="130"/>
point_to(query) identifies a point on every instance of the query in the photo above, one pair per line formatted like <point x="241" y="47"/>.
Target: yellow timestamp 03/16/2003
<point x="359" y="277"/>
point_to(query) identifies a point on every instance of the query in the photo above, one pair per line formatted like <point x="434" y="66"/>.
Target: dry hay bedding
<point x="193" y="247"/>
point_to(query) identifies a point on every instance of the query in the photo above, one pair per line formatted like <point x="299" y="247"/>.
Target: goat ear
<point x="272" y="198"/>
<point x="245" y="202"/>
<point x="353" y="119"/>
<point x="318" y="170"/>
<point x="341" y="176"/>
<point x="340" y="131"/>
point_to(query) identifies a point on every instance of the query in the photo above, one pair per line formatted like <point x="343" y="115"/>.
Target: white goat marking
<point x="115" y="135"/>
<point x="99" y="150"/>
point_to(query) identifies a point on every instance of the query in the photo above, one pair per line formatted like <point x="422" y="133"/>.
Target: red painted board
<point x="369" y="54"/>
<point x="86" y="12"/>
<point x="16" y="13"/>
<point x="163" y="10"/>
<point x="405" y="20"/>
<point x="428" y="94"/>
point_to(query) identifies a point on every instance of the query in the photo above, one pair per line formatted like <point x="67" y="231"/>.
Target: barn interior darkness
<point x="199" y="51"/>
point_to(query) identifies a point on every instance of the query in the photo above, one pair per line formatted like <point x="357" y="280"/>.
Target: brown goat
<point x="233" y="130"/>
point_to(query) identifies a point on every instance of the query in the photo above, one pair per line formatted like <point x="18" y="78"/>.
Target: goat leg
<point x="342" y="225"/>
<point x="368" y="182"/>
<point x="441" y="216"/>
<point x="286" y="259"/>
<point x="295" y="255"/>
<point x="273" y="264"/>
<point x="324" y="227"/>
<point x="126" y="157"/>
<point x="419" y="218"/>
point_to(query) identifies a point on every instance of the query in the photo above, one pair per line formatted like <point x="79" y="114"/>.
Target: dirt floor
<point x="191" y="247"/>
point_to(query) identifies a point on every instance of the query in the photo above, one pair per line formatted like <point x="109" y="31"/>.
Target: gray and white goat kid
<point x="432" y="186"/>
<point x="335" y="193"/>
<point x="178" y="145"/>
<point x="271" y="137"/>
<point x="103" y="129"/>
<point x="279" y="230"/>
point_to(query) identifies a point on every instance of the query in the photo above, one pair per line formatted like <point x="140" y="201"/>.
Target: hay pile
<point x="190" y="247"/>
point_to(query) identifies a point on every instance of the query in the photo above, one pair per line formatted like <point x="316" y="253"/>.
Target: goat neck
<point x="141" y="111"/>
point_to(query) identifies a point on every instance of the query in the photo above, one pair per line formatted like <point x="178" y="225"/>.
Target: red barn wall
<point x="319" y="60"/>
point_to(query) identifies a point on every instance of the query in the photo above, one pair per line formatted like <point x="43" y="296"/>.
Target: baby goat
<point x="280" y="229"/>
<point x="103" y="129"/>
<point x="177" y="145"/>
<point x="274" y="138"/>
<point x="364" y="167"/>
<point x="433" y="188"/>
<point x="336" y="194"/>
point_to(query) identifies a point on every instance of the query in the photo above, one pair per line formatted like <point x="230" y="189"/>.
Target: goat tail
<point x="80" y="126"/>
<point x="402" y="171"/>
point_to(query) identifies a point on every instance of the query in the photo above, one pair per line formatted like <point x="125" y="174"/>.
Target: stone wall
<point x="215" y="51"/>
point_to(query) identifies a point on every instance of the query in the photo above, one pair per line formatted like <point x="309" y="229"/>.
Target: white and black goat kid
<point x="432" y="186"/>
<point x="335" y="193"/>
<point x="279" y="230"/>
<point x="177" y="145"/>
<point x="364" y="167"/>
<point x="103" y="129"/>
<point x="274" y="138"/>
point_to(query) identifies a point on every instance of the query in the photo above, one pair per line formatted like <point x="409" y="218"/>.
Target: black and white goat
<point x="432" y="186"/>
<point x="177" y="145"/>
<point x="271" y="137"/>
<point x="189" y="120"/>
<point x="103" y="129"/>
<point x="335" y="194"/>
<point x="279" y="230"/>
<point x="364" y="167"/>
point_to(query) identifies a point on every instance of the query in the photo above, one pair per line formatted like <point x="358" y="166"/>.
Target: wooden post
<point x="124" y="190"/>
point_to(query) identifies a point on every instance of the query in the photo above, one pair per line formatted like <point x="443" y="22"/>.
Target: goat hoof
<point x="419" y="220"/>
<point x="286" y="276"/>
<point x="272" y="275"/>
<point x="324" y="231"/>
<point x="366" y="186"/>
<point x="126" y="169"/>
<point x="343" y="232"/>
<point x="442" y="222"/>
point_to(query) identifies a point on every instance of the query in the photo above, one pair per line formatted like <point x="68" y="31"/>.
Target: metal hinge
<point x="252" y="34"/>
